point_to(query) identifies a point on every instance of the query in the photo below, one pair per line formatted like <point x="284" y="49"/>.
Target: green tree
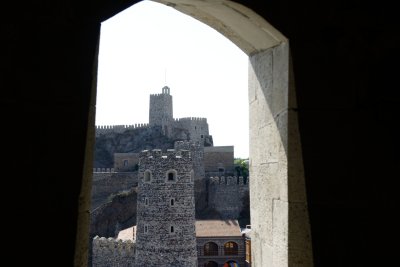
<point x="242" y="167"/>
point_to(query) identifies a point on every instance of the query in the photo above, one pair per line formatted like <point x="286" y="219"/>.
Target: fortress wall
<point x="112" y="252"/>
<point x="124" y="162"/>
<point x="105" y="129"/>
<point x="226" y="194"/>
<point x="219" y="156"/>
<point x="197" y="127"/>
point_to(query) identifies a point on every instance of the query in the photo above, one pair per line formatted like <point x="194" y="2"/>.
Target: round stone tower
<point x="161" y="111"/>
<point x="166" y="210"/>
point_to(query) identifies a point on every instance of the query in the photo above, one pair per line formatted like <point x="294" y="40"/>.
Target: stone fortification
<point x="112" y="252"/>
<point x="218" y="160"/>
<point x="196" y="128"/>
<point x="161" y="115"/>
<point x="126" y="162"/>
<point x="105" y="129"/>
<point x="227" y="195"/>
<point x="197" y="154"/>
<point x="166" y="210"/>
<point x="161" y="111"/>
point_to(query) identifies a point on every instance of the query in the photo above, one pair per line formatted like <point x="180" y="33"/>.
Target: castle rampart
<point x="113" y="252"/>
<point x="226" y="195"/>
<point x="105" y="129"/>
<point x="196" y="127"/>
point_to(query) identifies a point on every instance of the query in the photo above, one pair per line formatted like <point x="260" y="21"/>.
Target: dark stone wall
<point x="345" y="56"/>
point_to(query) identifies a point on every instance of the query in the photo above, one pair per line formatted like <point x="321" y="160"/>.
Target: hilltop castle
<point x="161" y="115"/>
<point x="210" y="160"/>
<point x="173" y="187"/>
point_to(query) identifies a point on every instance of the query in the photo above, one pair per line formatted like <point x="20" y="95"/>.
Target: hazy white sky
<point x="206" y="72"/>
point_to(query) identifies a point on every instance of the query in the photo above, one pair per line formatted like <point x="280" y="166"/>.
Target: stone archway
<point x="278" y="204"/>
<point x="279" y="214"/>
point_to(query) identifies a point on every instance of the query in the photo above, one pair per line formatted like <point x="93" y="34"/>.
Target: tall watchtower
<point x="166" y="210"/>
<point x="161" y="112"/>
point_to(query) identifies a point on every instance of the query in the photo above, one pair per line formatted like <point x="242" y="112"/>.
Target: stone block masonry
<point x="166" y="210"/>
<point x="113" y="252"/>
<point x="197" y="154"/>
<point x="226" y="195"/>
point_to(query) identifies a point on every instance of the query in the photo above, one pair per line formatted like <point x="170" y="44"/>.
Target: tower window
<point x="147" y="176"/>
<point x="172" y="229"/>
<point x="146" y="229"/>
<point x="171" y="176"/>
<point x="146" y="201"/>
<point x="125" y="162"/>
<point x="172" y="202"/>
<point x="202" y="136"/>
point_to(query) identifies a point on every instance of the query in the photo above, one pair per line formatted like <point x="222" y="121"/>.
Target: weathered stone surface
<point x="277" y="181"/>
<point x="228" y="197"/>
<point x="113" y="252"/>
<point x="166" y="210"/>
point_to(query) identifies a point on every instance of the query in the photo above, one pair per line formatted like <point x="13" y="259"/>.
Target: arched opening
<point x="275" y="151"/>
<point x="171" y="176"/>
<point x="231" y="264"/>
<point x="147" y="176"/>
<point x="210" y="249"/>
<point x="231" y="248"/>
<point x="211" y="264"/>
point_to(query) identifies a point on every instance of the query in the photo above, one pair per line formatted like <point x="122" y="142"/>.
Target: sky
<point x="150" y="45"/>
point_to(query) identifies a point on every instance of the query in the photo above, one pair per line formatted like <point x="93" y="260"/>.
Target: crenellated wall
<point x="104" y="129"/>
<point x="197" y="128"/>
<point x="227" y="195"/>
<point x="113" y="252"/>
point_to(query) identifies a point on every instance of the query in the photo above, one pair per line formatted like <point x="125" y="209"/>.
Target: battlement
<point x="158" y="154"/>
<point x="229" y="180"/>
<point x="113" y="252"/>
<point x="106" y="170"/>
<point x="104" y="129"/>
<point x="186" y="119"/>
<point x="159" y="95"/>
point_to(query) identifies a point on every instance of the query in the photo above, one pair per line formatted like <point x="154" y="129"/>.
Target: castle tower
<point x="166" y="210"/>
<point x="197" y="154"/>
<point x="161" y="112"/>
